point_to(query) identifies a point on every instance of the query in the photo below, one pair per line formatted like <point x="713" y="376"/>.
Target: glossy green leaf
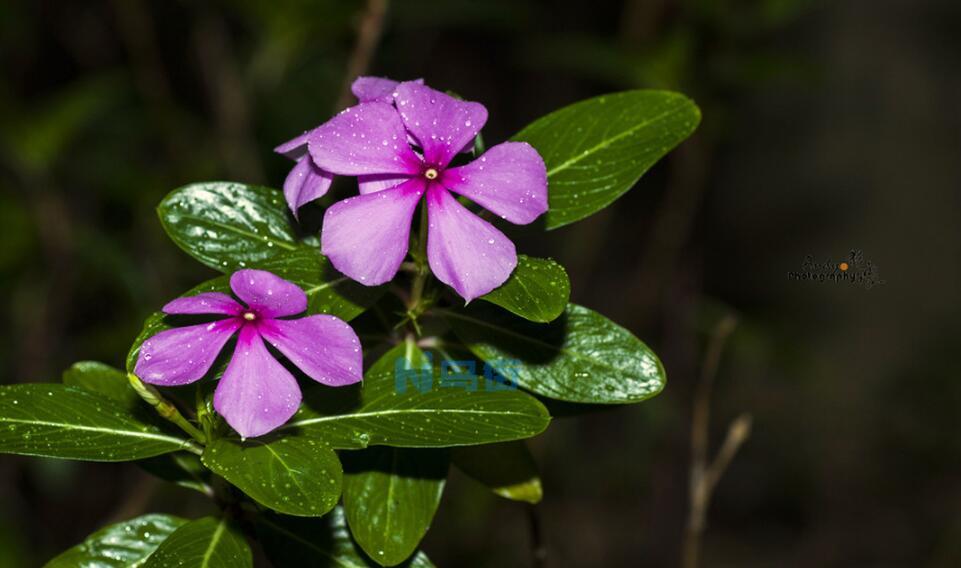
<point x="292" y="475"/>
<point x="227" y="225"/>
<point x="508" y="469"/>
<point x="407" y="356"/>
<point x="205" y="543"/>
<point x="581" y="357"/>
<point x="317" y="543"/>
<point x="102" y="379"/>
<point x="415" y="410"/>
<point x="595" y="150"/>
<point x="328" y="292"/>
<point x="181" y="469"/>
<point x="66" y="422"/>
<point x="390" y="497"/>
<point x="122" y="545"/>
<point x="537" y="290"/>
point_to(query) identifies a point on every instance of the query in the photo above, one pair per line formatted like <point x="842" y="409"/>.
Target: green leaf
<point x="407" y="356"/>
<point x="328" y="291"/>
<point x="57" y="421"/>
<point x="390" y="497"/>
<point x="596" y="150"/>
<point x="205" y="543"/>
<point x="227" y="225"/>
<point x="103" y="380"/>
<point x="291" y="475"/>
<point x="537" y="290"/>
<point x="317" y="543"/>
<point x="123" y="545"/>
<point x="181" y="469"/>
<point x="393" y="409"/>
<point x="508" y="469"/>
<point x="581" y="357"/>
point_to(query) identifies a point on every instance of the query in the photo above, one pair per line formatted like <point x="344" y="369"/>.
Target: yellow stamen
<point x="431" y="173"/>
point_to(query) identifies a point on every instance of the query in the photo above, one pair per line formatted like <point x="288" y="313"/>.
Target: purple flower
<point x="256" y="394"/>
<point x="376" y="89"/>
<point x="306" y="182"/>
<point x="366" y="237"/>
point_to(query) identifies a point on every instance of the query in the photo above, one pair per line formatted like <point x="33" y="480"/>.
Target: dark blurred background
<point x="828" y="126"/>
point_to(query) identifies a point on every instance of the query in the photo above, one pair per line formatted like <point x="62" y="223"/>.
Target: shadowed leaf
<point x="317" y="543"/>
<point x="581" y="357"/>
<point x="537" y="290"/>
<point x="122" y="545"/>
<point x="66" y="422"/>
<point x="596" y="150"/>
<point x="291" y="475"/>
<point x="205" y="543"/>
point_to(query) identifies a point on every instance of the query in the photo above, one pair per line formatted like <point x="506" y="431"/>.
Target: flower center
<point x="431" y="173"/>
<point x="250" y="316"/>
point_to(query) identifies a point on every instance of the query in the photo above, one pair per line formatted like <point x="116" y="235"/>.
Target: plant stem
<point x="420" y="277"/>
<point x="164" y="408"/>
<point x="416" y="305"/>
<point x="705" y="475"/>
<point x="204" y="418"/>
<point x="368" y="36"/>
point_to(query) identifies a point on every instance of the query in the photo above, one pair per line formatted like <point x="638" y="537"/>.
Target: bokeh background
<point x="828" y="126"/>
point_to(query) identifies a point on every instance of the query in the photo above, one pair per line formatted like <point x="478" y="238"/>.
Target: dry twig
<point x="368" y="37"/>
<point x="705" y="475"/>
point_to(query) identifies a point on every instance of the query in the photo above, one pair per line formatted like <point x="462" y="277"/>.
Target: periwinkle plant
<point x="266" y="400"/>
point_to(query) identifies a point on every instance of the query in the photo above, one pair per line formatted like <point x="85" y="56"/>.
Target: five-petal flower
<point x="307" y="182"/>
<point x="257" y="393"/>
<point x="366" y="237"/>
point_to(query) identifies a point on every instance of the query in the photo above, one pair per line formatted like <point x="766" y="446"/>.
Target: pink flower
<point x="307" y="182"/>
<point x="256" y="394"/>
<point x="366" y="237"/>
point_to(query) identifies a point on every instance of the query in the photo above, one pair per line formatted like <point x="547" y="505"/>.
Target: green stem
<point x="164" y="407"/>
<point x="203" y="412"/>
<point x="420" y="277"/>
<point x="443" y="353"/>
<point x="415" y="306"/>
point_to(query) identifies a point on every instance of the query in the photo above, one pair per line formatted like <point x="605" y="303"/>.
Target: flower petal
<point x="365" y="237"/>
<point x="441" y="124"/>
<point x="295" y="148"/>
<point x="322" y="346"/>
<point x="365" y="139"/>
<point x="204" y="303"/>
<point x="268" y="294"/>
<point x="381" y="89"/>
<point x="370" y="89"/>
<point x="183" y="355"/>
<point x="375" y="183"/>
<point x="463" y="250"/>
<point x="256" y="394"/>
<point x="305" y="183"/>
<point x="510" y="180"/>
